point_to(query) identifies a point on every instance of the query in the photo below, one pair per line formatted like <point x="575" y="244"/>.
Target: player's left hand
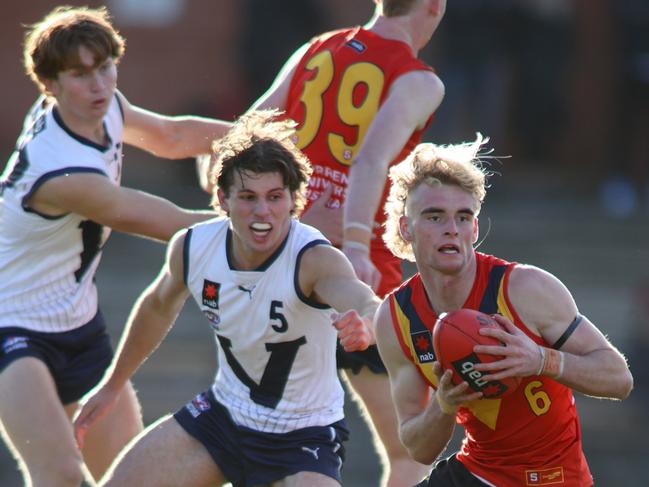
<point x="355" y="332"/>
<point x="521" y="355"/>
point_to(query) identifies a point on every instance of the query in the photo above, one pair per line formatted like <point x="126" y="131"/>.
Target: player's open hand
<point x="450" y="396"/>
<point x="520" y="355"/>
<point x="94" y="407"/>
<point x="326" y="219"/>
<point x="355" y="332"/>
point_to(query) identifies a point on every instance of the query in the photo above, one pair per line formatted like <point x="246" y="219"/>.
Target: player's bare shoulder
<point x="320" y="258"/>
<point x="540" y="297"/>
<point x="419" y="91"/>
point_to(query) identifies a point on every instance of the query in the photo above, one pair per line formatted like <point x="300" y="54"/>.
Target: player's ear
<point x="223" y="201"/>
<point x="404" y="228"/>
<point x="50" y="85"/>
<point x="476" y="230"/>
<point x="293" y="199"/>
<point x="436" y="6"/>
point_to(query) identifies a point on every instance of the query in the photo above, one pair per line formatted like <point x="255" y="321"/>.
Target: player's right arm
<point x="424" y="427"/>
<point x="152" y="316"/>
<point x="171" y="137"/>
<point x="326" y="276"/>
<point x="412" y="99"/>
<point x="97" y="198"/>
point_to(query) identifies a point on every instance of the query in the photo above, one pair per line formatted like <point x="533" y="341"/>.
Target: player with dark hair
<point x="532" y="435"/>
<point x="60" y="196"/>
<point x="362" y="100"/>
<point x="274" y="414"/>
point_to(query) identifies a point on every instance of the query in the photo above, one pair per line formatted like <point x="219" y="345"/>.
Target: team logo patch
<point x="466" y="368"/>
<point x="213" y="318"/>
<point x="10" y="344"/>
<point x="423" y="343"/>
<point x="357" y="45"/>
<point x="546" y="476"/>
<point x="211" y="294"/>
<point x="198" y="405"/>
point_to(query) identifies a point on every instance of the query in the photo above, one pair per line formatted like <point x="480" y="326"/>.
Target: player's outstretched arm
<point x="97" y="198"/>
<point x="586" y="361"/>
<point x="412" y="100"/>
<point x="153" y="314"/>
<point x="172" y="137"/>
<point x="326" y="276"/>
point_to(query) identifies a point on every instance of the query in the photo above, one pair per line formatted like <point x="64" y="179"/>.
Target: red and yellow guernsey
<point x="335" y="93"/>
<point x="530" y="437"/>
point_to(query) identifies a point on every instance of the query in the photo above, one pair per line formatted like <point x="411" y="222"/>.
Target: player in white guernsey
<point x="60" y="195"/>
<point x="267" y="285"/>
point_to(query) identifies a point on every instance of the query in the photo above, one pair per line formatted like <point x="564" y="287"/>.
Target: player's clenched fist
<point x="355" y="332"/>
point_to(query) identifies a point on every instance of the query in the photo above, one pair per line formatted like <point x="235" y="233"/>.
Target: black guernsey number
<point x="276" y="315"/>
<point x="270" y="389"/>
<point x="91" y="233"/>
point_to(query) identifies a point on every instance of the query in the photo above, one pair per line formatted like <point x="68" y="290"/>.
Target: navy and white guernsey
<point x="276" y="348"/>
<point x="47" y="264"/>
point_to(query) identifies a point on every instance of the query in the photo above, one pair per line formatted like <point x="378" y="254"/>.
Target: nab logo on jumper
<point x="423" y="343"/>
<point x="211" y="294"/>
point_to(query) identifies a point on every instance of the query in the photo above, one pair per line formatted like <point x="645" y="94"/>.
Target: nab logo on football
<point x="211" y="294"/>
<point x="466" y="368"/>
<point x="423" y="343"/>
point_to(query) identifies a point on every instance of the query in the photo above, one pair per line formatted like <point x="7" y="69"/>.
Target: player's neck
<point x="448" y="292"/>
<point x="90" y="129"/>
<point x="392" y="28"/>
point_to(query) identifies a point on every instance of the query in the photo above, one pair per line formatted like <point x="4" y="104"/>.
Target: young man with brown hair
<point x="60" y="196"/>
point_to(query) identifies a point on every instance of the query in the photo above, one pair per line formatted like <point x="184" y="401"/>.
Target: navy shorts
<point x="450" y="472"/>
<point x="248" y="457"/>
<point x="77" y="359"/>
<point x="355" y="361"/>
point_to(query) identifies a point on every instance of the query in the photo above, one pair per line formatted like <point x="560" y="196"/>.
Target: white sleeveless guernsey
<point x="48" y="264"/>
<point x="276" y="349"/>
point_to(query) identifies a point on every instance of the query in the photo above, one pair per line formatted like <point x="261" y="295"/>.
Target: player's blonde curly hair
<point x="260" y="142"/>
<point x="434" y="165"/>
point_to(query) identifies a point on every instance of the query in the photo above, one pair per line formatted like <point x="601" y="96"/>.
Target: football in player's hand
<point x="454" y="336"/>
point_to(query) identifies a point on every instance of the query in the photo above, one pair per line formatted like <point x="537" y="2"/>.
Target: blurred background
<point x="561" y="86"/>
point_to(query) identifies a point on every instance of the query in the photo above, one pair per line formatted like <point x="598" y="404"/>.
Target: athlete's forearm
<point x="362" y="199"/>
<point x="600" y="373"/>
<point x="426" y="435"/>
<point x="145" y="330"/>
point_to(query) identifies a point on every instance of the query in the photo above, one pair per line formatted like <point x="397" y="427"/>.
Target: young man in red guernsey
<point x="531" y="436"/>
<point x="362" y="99"/>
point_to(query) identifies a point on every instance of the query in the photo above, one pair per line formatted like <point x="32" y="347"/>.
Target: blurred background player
<point x="531" y="436"/>
<point x="274" y="414"/>
<point x="59" y="199"/>
<point x="362" y="100"/>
